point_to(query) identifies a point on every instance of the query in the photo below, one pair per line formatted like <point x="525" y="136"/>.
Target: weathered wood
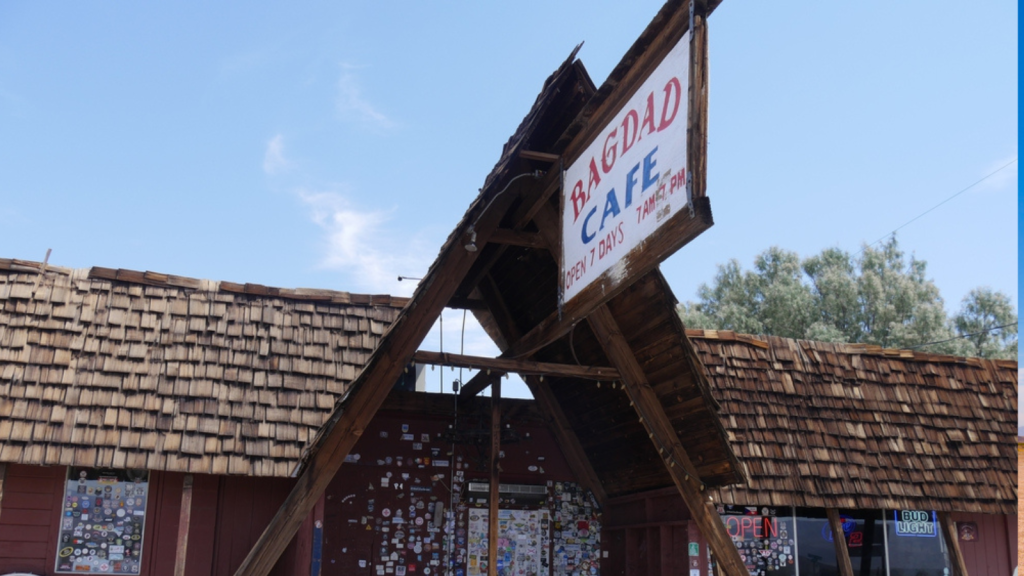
<point x="458" y="303"/>
<point x="492" y="500"/>
<point x="184" y="519"/>
<point x="523" y="367"/>
<point x="573" y="451"/>
<point x="678" y="231"/>
<point x="839" y="539"/>
<point x="366" y="394"/>
<point x="666" y="441"/>
<point x="956" y="555"/>
<point x="478" y="383"/>
<point x="539" y="156"/>
<point x="517" y="238"/>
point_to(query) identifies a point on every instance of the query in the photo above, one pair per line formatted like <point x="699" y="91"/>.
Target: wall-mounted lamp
<point x="471" y="245"/>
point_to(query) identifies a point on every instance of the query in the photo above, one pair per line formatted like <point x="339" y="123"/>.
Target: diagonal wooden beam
<point x="956" y="555"/>
<point x="839" y="539"/>
<point x="663" y="435"/>
<point x="567" y="439"/>
<point x="478" y="383"/>
<point x="366" y="394"/>
<point x="522" y="367"/>
<point x="517" y="238"/>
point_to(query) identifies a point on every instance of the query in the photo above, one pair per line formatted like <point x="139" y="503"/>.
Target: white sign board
<point x="630" y="180"/>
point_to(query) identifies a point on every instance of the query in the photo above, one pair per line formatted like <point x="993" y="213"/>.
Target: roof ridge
<point x="173" y="281"/>
<point x="763" y="341"/>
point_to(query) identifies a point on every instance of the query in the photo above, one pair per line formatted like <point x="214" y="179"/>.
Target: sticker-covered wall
<point x="411" y="499"/>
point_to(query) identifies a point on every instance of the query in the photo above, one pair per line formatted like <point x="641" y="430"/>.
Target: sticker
<point x="424" y="437"/>
<point x="385" y="512"/>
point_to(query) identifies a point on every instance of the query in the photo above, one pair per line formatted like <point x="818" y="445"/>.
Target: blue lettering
<point x="649" y="164"/>
<point x="586" y="238"/>
<point x="611" y="207"/>
<point x="630" y="182"/>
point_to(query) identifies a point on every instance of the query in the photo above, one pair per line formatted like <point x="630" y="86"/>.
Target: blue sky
<point x="335" y="145"/>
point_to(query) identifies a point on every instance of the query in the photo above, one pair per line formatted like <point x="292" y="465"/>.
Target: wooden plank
<point x="575" y="456"/>
<point x="956" y="555"/>
<point x="478" y="383"/>
<point x="539" y="156"/>
<point x="492" y="500"/>
<point x="523" y="367"/>
<point x="666" y="441"/>
<point x="458" y="303"/>
<point x="366" y="394"/>
<point x="839" y="539"/>
<point x="517" y="238"/>
<point x="184" y="519"/>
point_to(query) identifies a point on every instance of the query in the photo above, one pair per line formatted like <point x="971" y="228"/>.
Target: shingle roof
<point x="124" y="369"/>
<point x="857" y="426"/>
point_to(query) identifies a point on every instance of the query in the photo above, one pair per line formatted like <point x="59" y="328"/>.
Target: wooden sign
<point x="625" y="195"/>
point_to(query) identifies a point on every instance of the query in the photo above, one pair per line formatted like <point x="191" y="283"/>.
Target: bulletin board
<point x="524" y="544"/>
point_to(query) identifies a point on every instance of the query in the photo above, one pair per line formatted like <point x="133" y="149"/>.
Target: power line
<point x="962" y="336"/>
<point x="986" y="177"/>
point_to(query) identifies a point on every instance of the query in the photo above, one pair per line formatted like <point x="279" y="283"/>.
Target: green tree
<point x="880" y="297"/>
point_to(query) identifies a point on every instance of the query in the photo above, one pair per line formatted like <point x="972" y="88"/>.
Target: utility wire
<point x="905" y="224"/>
<point x="962" y="336"/>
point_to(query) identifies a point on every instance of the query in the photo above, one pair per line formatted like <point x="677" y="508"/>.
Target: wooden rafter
<point x="522" y="367"/>
<point x="517" y="238"/>
<point x="340" y="434"/>
<point x="839" y="540"/>
<point x="663" y="435"/>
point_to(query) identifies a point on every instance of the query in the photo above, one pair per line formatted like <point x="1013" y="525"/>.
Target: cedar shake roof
<point x="124" y="369"/>
<point x="858" y="426"/>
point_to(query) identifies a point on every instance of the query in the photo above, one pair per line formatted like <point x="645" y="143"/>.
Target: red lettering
<point x="672" y="87"/>
<point x="579" y="200"/>
<point x="631" y="120"/>
<point x="648" y="117"/>
<point x="595" y="178"/>
<point x="606" y="163"/>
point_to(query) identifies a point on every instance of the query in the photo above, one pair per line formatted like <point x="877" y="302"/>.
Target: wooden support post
<point x="666" y="441"/>
<point x="956" y="556"/>
<point x="492" y="501"/>
<point x="567" y="439"/>
<point x="522" y="367"/>
<point x="839" y="539"/>
<point x="366" y="394"/>
<point x="184" y="518"/>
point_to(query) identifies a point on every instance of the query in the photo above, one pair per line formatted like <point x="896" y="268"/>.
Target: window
<point x="916" y="546"/>
<point x="864" y="536"/>
<point x="102" y="521"/>
<point x="764" y="537"/>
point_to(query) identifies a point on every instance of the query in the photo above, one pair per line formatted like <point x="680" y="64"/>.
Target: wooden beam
<point x="184" y="518"/>
<point x="956" y="555"/>
<point x="539" y="156"/>
<point x="492" y="500"/>
<point x="458" y="303"/>
<point x="478" y="383"/>
<point x="366" y="394"/>
<point x="839" y="539"/>
<point x="569" y="443"/>
<point x="526" y="367"/>
<point x="517" y="238"/>
<point x="666" y="441"/>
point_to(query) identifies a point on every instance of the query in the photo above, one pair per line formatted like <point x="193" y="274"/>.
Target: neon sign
<point x="916" y="523"/>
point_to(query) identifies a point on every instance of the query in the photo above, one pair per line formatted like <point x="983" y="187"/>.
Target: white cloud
<point x="353" y="106"/>
<point x="360" y="244"/>
<point x="274" y="161"/>
<point x="1004" y="179"/>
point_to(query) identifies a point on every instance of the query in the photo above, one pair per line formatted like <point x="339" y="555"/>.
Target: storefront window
<point x="763" y="536"/>
<point x="862" y="530"/>
<point x="102" y="521"/>
<point x="916" y="546"/>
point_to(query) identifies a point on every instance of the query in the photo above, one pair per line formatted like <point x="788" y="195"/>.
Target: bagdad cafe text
<point x="630" y="179"/>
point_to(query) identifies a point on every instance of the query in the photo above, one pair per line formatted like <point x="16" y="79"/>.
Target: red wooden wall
<point x="648" y="534"/>
<point x="228" y="515"/>
<point x="995" y="551"/>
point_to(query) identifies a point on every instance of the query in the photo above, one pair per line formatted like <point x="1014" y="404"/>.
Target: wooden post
<point x="839" y="539"/>
<point x="659" y="428"/>
<point x="956" y="556"/>
<point x="492" y="504"/>
<point x="184" y="517"/>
